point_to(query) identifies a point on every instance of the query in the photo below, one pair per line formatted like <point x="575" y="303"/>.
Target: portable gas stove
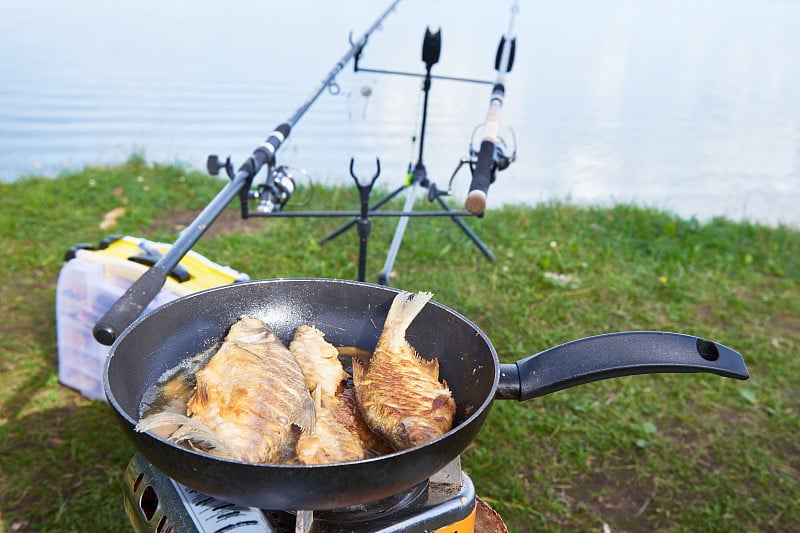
<point x="446" y="503"/>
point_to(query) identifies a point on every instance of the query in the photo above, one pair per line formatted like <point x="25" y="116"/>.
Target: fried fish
<point x="399" y="392"/>
<point x="319" y="361"/>
<point x="329" y="441"/>
<point x="348" y="413"/>
<point x="249" y="403"/>
<point x="333" y="438"/>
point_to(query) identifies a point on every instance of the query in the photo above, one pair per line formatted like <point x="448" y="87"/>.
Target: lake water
<point x="689" y="106"/>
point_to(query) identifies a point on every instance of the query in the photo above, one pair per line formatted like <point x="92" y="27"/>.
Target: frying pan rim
<point x="476" y="412"/>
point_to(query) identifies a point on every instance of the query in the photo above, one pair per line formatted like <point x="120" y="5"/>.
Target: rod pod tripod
<point x="418" y="179"/>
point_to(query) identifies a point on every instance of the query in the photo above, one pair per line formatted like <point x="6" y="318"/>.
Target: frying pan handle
<point x="615" y="355"/>
<point x="130" y="305"/>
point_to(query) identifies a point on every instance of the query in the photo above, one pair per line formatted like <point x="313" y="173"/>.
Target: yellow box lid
<point x="129" y="257"/>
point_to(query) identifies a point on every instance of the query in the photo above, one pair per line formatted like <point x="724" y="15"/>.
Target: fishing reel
<point x="501" y="159"/>
<point x="272" y="194"/>
<point x="275" y="192"/>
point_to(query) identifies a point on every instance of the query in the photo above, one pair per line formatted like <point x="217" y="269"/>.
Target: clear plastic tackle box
<point x="94" y="277"/>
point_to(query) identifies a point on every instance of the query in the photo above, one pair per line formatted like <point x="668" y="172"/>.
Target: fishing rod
<point x="133" y="302"/>
<point x="417" y="177"/>
<point x="490" y="159"/>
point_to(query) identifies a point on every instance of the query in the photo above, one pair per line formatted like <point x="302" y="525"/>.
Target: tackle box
<point x="94" y="277"/>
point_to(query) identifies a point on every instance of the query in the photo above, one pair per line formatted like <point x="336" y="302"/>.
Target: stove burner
<point x="156" y="503"/>
<point x="385" y="506"/>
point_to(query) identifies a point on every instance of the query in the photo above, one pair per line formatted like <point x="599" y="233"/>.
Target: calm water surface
<point x="689" y="106"/>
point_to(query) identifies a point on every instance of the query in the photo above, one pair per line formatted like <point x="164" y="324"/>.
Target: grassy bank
<point x="666" y="452"/>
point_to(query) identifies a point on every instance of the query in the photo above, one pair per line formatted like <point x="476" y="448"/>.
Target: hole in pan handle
<point x="614" y="355"/>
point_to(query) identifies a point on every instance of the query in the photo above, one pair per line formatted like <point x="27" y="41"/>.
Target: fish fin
<point x="195" y="434"/>
<point x="405" y="308"/>
<point x="200" y="391"/>
<point x="167" y="418"/>
<point x="429" y="366"/>
<point x="358" y="371"/>
<point x="309" y="418"/>
<point x="201" y="438"/>
<point x="402" y="437"/>
<point x="317" y="407"/>
<point x="289" y="450"/>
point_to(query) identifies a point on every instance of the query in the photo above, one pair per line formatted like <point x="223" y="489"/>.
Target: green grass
<point x="663" y="452"/>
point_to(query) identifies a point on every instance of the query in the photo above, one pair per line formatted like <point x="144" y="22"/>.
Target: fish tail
<point x="196" y="434"/>
<point x="405" y="308"/>
<point x="166" y="418"/>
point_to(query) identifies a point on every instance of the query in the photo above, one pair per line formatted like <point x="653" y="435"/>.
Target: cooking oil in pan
<point x="175" y="387"/>
<point x="172" y="391"/>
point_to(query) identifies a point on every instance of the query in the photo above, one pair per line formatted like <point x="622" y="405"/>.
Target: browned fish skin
<point x="348" y="413"/>
<point x="399" y="392"/>
<point x="323" y="370"/>
<point x="332" y="439"/>
<point x="251" y="394"/>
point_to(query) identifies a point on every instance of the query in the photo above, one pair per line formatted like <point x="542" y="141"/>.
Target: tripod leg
<point x="383" y="277"/>
<point x="460" y="222"/>
<point x="353" y="222"/>
<point x="339" y="231"/>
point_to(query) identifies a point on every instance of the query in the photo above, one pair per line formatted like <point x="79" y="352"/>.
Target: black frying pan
<point x="352" y="314"/>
